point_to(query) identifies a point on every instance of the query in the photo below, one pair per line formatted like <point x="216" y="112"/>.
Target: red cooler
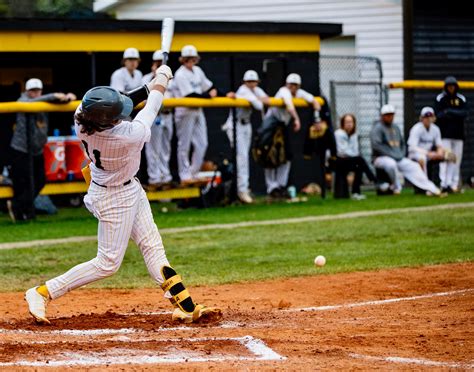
<point x="55" y="159"/>
<point x="76" y="158"/>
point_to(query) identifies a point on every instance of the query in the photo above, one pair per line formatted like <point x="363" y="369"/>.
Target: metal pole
<point x="233" y="195"/>
<point x="30" y="167"/>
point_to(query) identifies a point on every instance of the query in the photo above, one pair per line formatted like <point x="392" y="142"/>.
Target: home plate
<point x="125" y="350"/>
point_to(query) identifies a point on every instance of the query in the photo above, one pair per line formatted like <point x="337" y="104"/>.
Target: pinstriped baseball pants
<point x="191" y="129"/>
<point x="158" y="150"/>
<point x="123" y="212"/>
<point x="277" y="177"/>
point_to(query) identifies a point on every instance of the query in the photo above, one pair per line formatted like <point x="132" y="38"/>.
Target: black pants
<point x="343" y="166"/>
<point x="22" y="177"/>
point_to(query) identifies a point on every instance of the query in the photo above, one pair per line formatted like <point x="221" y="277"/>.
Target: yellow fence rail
<point x="427" y="84"/>
<point x="13" y="107"/>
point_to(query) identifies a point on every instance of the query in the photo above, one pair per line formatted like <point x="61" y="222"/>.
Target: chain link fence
<point x="353" y="84"/>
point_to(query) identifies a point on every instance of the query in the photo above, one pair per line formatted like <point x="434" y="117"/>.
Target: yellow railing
<point x="427" y="84"/>
<point x="12" y="107"/>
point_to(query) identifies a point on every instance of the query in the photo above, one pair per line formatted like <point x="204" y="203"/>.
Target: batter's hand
<point x="163" y="76"/>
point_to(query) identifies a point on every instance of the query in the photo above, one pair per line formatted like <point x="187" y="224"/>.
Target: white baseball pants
<point x="123" y="212"/>
<point x="409" y="169"/>
<point x="191" y="129"/>
<point x="277" y="177"/>
<point x="244" y="140"/>
<point x="449" y="172"/>
<point x="158" y="150"/>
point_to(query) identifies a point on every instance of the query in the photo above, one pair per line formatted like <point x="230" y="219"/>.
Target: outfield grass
<point x="78" y="221"/>
<point x="263" y="252"/>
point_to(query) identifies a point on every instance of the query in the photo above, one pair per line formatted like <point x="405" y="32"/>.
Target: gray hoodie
<point x="387" y="141"/>
<point x="38" y="122"/>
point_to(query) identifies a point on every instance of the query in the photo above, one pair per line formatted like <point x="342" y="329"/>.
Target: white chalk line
<point x="379" y="302"/>
<point x="255" y="346"/>
<point x="417" y="361"/>
<point x="225" y="226"/>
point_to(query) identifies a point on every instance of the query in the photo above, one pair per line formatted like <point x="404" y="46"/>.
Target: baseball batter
<point x="191" y="127"/>
<point x="158" y="150"/>
<point x="117" y="199"/>
<point x="127" y="77"/>
<point x="250" y="91"/>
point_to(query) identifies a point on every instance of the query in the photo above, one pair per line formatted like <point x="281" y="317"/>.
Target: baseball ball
<point x="320" y="261"/>
<point x="164" y="210"/>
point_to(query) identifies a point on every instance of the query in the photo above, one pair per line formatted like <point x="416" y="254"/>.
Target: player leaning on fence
<point x="116" y="198"/>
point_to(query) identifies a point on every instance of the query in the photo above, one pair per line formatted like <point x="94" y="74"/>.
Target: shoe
<point x="37" y="305"/>
<point x="11" y="213"/>
<point x="200" y="312"/>
<point x="447" y="190"/>
<point x="439" y="194"/>
<point x="358" y="197"/>
<point x="275" y="194"/>
<point x="284" y="193"/>
<point x="245" y="197"/>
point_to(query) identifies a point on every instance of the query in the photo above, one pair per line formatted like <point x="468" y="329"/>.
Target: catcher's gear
<point x="449" y="156"/>
<point x="186" y="310"/>
<point x="104" y="105"/>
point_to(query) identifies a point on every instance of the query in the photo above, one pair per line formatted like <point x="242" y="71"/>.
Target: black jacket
<point x="451" y="111"/>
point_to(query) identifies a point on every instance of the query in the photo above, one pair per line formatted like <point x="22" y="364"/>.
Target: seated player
<point x="117" y="200"/>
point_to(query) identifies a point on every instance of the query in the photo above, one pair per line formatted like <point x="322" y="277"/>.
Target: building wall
<point x="375" y="26"/>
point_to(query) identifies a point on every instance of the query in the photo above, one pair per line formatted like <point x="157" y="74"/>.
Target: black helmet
<point x="450" y="80"/>
<point x="104" y="105"/>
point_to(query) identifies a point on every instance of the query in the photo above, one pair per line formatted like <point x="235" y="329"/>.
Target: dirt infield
<point x="416" y="318"/>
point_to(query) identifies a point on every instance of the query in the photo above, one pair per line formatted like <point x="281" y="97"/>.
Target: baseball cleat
<point x="37" y="305"/>
<point x="200" y="312"/>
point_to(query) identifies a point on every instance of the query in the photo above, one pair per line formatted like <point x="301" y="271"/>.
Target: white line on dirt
<point x="422" y="362"/>
<point x="380" y="302"/>
<point x="256" y="346"/>
<point x="224" y="226"/>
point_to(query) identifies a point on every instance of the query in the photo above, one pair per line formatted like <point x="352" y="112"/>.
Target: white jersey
<point x="281" y="113"/>
<point x="188" y="81"/>
<point x="123" y="81"/>
<point x="115" y="152"/>
<point x="422" y="139"/>
<point x="347" y="146"/>
<point x="253" y="96"/>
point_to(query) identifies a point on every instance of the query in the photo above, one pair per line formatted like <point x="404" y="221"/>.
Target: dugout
<point x="73" y="55"/>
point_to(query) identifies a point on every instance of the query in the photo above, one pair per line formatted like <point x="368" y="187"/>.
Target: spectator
<point x="128" y="77"/>
<point x="320" y="141"/>
<point x="451" y="111"/>
<point x="158" y="150"/>
<point x="424" y="141"/>
<point x="349" y="159"/>
<point x="29" y="137"/>
<point x="191" y="127"/>
<point x="250" y="91"/>
<point x="280" y="117"/>
<point x="388" y="150"/>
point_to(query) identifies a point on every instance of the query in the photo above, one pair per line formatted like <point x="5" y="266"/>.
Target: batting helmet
<point x="105" y="105"/>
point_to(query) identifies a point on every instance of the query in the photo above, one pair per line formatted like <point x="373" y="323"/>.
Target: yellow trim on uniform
<point x="79" y="41"/>
<point x="12" y="107"/>
<point x="427" y="84"/>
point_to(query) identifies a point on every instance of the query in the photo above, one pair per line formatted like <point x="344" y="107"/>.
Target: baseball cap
<point x="387" y="109"/>
<point x="293" y="79"/>
<point x="158" y="56"/>
<point x="189" y="51"/>
<point x="131" y="53"/>
<point x="34" y="84"/>
<point x="450" y="80"/>
<point x="427" y="112"/>
<point x="251" y="75"/>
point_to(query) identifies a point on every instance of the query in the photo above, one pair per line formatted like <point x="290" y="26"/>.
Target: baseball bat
<point x="167" y="32"/>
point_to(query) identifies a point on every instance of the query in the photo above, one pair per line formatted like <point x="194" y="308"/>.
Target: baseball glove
<point x="449" y="156"/>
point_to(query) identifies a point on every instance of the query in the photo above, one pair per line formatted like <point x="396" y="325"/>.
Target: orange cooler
<point x="55" y="159"/>
<point x="76" y="158"/>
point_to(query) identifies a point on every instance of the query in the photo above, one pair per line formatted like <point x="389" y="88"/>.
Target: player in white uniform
<point x="191" y="127"/>
<point x="277" y="178"/>
<point x="117" y="199"/>
<point x="250" y="91"/>
<point x="158" y="150"/>
<point x="424" y="141"/>
<point x="127" y="77"/>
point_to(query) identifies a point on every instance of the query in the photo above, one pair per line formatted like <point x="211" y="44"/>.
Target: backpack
<point x="269" y="143"/>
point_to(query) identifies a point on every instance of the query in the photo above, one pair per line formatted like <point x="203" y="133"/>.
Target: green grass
<point x="263" y="252"/>
<point x="78" y="221"/>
